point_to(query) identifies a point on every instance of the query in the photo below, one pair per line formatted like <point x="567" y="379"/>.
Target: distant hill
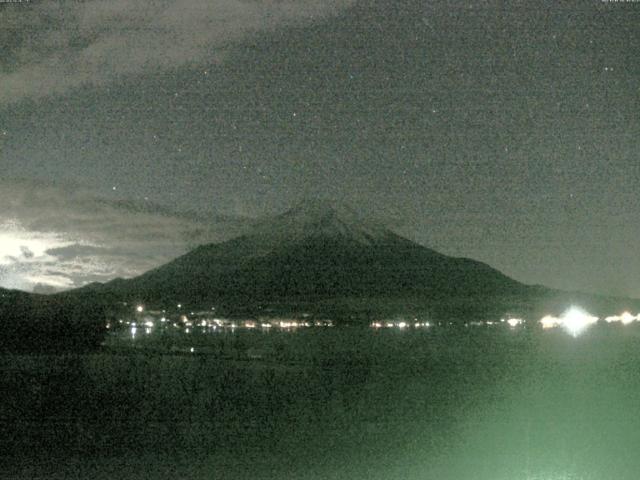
<point x="10" y="297"/>
<point x="49" y="323"/>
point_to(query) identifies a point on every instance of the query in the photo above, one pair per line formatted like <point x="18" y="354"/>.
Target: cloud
<point x="76" y="251"/>
<point x="53" y="47"/>
<point x="66" y="237"/>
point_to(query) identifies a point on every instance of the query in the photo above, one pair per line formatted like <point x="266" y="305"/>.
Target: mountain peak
<point x="314" y="211"/>
<point x="318" y="205"/>
<point x="315" y="217"/>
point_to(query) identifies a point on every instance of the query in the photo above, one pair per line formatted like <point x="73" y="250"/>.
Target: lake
<point x="330" y="403"/>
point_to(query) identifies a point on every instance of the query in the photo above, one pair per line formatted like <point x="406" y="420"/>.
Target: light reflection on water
<point x="523" y="403"/>
<point x="445" y="403"/>
<point x="573" y="322"/>
<point x="371" y="404"/>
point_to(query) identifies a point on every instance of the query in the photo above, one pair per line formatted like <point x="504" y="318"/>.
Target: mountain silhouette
<point x="316" y="250"/>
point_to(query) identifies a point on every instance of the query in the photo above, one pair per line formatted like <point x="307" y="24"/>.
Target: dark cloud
<point x="53" y="47"/>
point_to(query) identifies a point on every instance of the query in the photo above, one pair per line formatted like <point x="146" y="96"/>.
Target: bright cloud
<point x="17" y="244"/>
<point x="26" y="260"/>
<point x="58" y="238"/>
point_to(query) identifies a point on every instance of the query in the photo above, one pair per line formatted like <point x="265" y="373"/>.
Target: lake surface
<point x="330" y="403"/>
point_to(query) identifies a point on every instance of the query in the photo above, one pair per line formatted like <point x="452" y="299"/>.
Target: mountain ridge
<point x="327" y="259"/>
<point x="316" y="250"/>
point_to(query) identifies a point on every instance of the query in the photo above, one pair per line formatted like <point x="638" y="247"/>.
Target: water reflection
<point x="479" y="403"/>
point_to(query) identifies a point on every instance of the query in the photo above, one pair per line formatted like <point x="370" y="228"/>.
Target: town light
<point x="575" y="320"/>
<point x="514" y="322"/>
<point x="549" y="321"/>
<point x="626" y="318"/>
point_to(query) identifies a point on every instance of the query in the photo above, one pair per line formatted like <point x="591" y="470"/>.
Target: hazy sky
<point x="508" y="132"/>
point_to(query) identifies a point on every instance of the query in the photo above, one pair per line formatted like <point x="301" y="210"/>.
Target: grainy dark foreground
<point x="332" y="403"/>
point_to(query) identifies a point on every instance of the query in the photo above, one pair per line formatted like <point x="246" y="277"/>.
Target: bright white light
<point x="402" y="325"/>
<point x="575" y="320"/>
<point x="514" y="322"/>
<point x="139" y="309"/>
<point x="626" y="318"/>
<point x="149" y="324"/>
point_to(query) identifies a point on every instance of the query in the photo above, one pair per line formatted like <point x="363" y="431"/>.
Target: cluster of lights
<point x="187" y="322"/>
<point x="514" y="322"/>
<point x="626" y="318"/>
<point x="289" y="324"/>
<point x="292" y="324"/>
<point x="401" y="325"/>
<point x="549" y="321"/>
<point x="574" y="320"/>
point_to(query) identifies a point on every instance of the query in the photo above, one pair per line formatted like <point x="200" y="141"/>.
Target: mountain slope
<point x="314" y="251"/>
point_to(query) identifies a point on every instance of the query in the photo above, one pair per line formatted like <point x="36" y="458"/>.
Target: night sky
<point x="508" y="132"/>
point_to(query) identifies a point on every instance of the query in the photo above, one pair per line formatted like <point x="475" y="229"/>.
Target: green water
<point x="329" y="404"/>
